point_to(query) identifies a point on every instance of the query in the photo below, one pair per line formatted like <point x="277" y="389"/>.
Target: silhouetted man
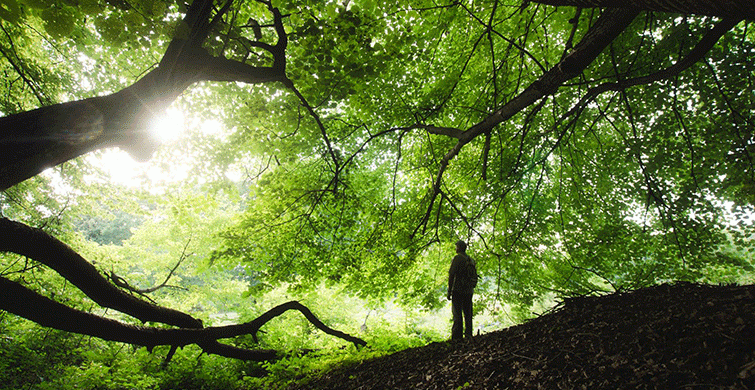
<point x="462" y="279"/>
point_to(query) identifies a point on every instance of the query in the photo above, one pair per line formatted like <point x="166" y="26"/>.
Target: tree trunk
<point x="738" y="9"/>
<point x="35" y="140"/>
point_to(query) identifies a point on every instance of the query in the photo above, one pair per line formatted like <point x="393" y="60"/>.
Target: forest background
<point x="345" y="184"/>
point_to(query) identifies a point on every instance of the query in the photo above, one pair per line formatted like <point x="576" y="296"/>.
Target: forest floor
<point x="672" y="336"/>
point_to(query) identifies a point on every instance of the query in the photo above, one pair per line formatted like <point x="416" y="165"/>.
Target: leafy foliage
<point x="339" y="192"/>
<point x="617" y="191"/>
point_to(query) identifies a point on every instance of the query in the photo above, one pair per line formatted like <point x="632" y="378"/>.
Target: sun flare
<point x="169" y="126"/>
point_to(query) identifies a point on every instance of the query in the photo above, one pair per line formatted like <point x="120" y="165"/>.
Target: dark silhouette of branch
<point x="447" y="131"/>
<point x="608" y="26"/>
<point x="34" y="140"/>
<point x="34" y="243"/>
<point x="294" y="305"/>
<point x="695" y="55"/>
<point x="32" y="84"/>
<point x="721" y="8"/>
<point x="123" y="283"/>
<point x="303" y="101"/>
<point x="28" y="304"/>
<point x="511" y="42"/>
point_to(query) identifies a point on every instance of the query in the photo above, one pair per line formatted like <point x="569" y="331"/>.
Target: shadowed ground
<point x="678" y="336"/>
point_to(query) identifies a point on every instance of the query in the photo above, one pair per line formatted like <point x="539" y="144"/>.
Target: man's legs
<point x="467" y="309"/>
<point x="461" y="308"/>
<point x="457" y="306"/>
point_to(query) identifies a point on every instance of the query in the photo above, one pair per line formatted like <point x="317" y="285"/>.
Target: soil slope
<point x="679" y="336"/>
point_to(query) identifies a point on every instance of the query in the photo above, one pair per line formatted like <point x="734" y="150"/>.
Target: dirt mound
<point x="679" y="336"/>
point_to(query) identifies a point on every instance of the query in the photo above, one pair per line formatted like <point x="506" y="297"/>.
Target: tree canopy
<point x="578" y="146"/>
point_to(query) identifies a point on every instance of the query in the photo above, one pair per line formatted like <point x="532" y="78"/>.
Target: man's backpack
<point x="468" y="272"/>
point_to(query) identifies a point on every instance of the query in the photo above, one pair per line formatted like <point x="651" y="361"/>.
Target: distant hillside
<point x="678" y="336"/>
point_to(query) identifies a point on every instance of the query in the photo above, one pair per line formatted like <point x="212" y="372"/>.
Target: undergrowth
<point x="34" y="358"/>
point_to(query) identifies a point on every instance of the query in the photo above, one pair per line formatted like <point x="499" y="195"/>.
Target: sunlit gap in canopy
<point x="121" y="169"/>
<point x="172" y="162"/>
<point x="169" y="126"/>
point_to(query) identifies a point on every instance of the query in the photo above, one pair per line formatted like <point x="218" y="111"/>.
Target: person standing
<point x="462" y="279"/>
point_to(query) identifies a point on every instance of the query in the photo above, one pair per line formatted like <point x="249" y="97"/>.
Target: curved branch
<point x="303" y="101"/>
<point x="695" y="55"/>
<point x="25" y="303"/>
<point x="32" y="84"/>
<point x="608" y="26"/>
<point x="36" y="244"/>
<point x="35" y="140"/>
<point x="551" y="81"/>
<point x="253" y="326"/>
<point x="123" y="283"/>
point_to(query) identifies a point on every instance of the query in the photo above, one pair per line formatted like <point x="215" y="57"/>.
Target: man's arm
<point x="452" y="275"/>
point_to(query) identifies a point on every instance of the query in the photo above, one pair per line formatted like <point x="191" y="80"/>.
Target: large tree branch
<point x="722" y="8"/>
<point x="294" y="305"/>
<point x="28" y="304"/>
<point x="608" y="26"/>
<point x="447" y="131"/>
<point x="37" y="245"/>
<point x="35" y="140"/>
<point x="695" y="55"/>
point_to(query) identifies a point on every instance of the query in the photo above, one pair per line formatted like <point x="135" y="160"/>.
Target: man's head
<point x="461" y="246"/>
